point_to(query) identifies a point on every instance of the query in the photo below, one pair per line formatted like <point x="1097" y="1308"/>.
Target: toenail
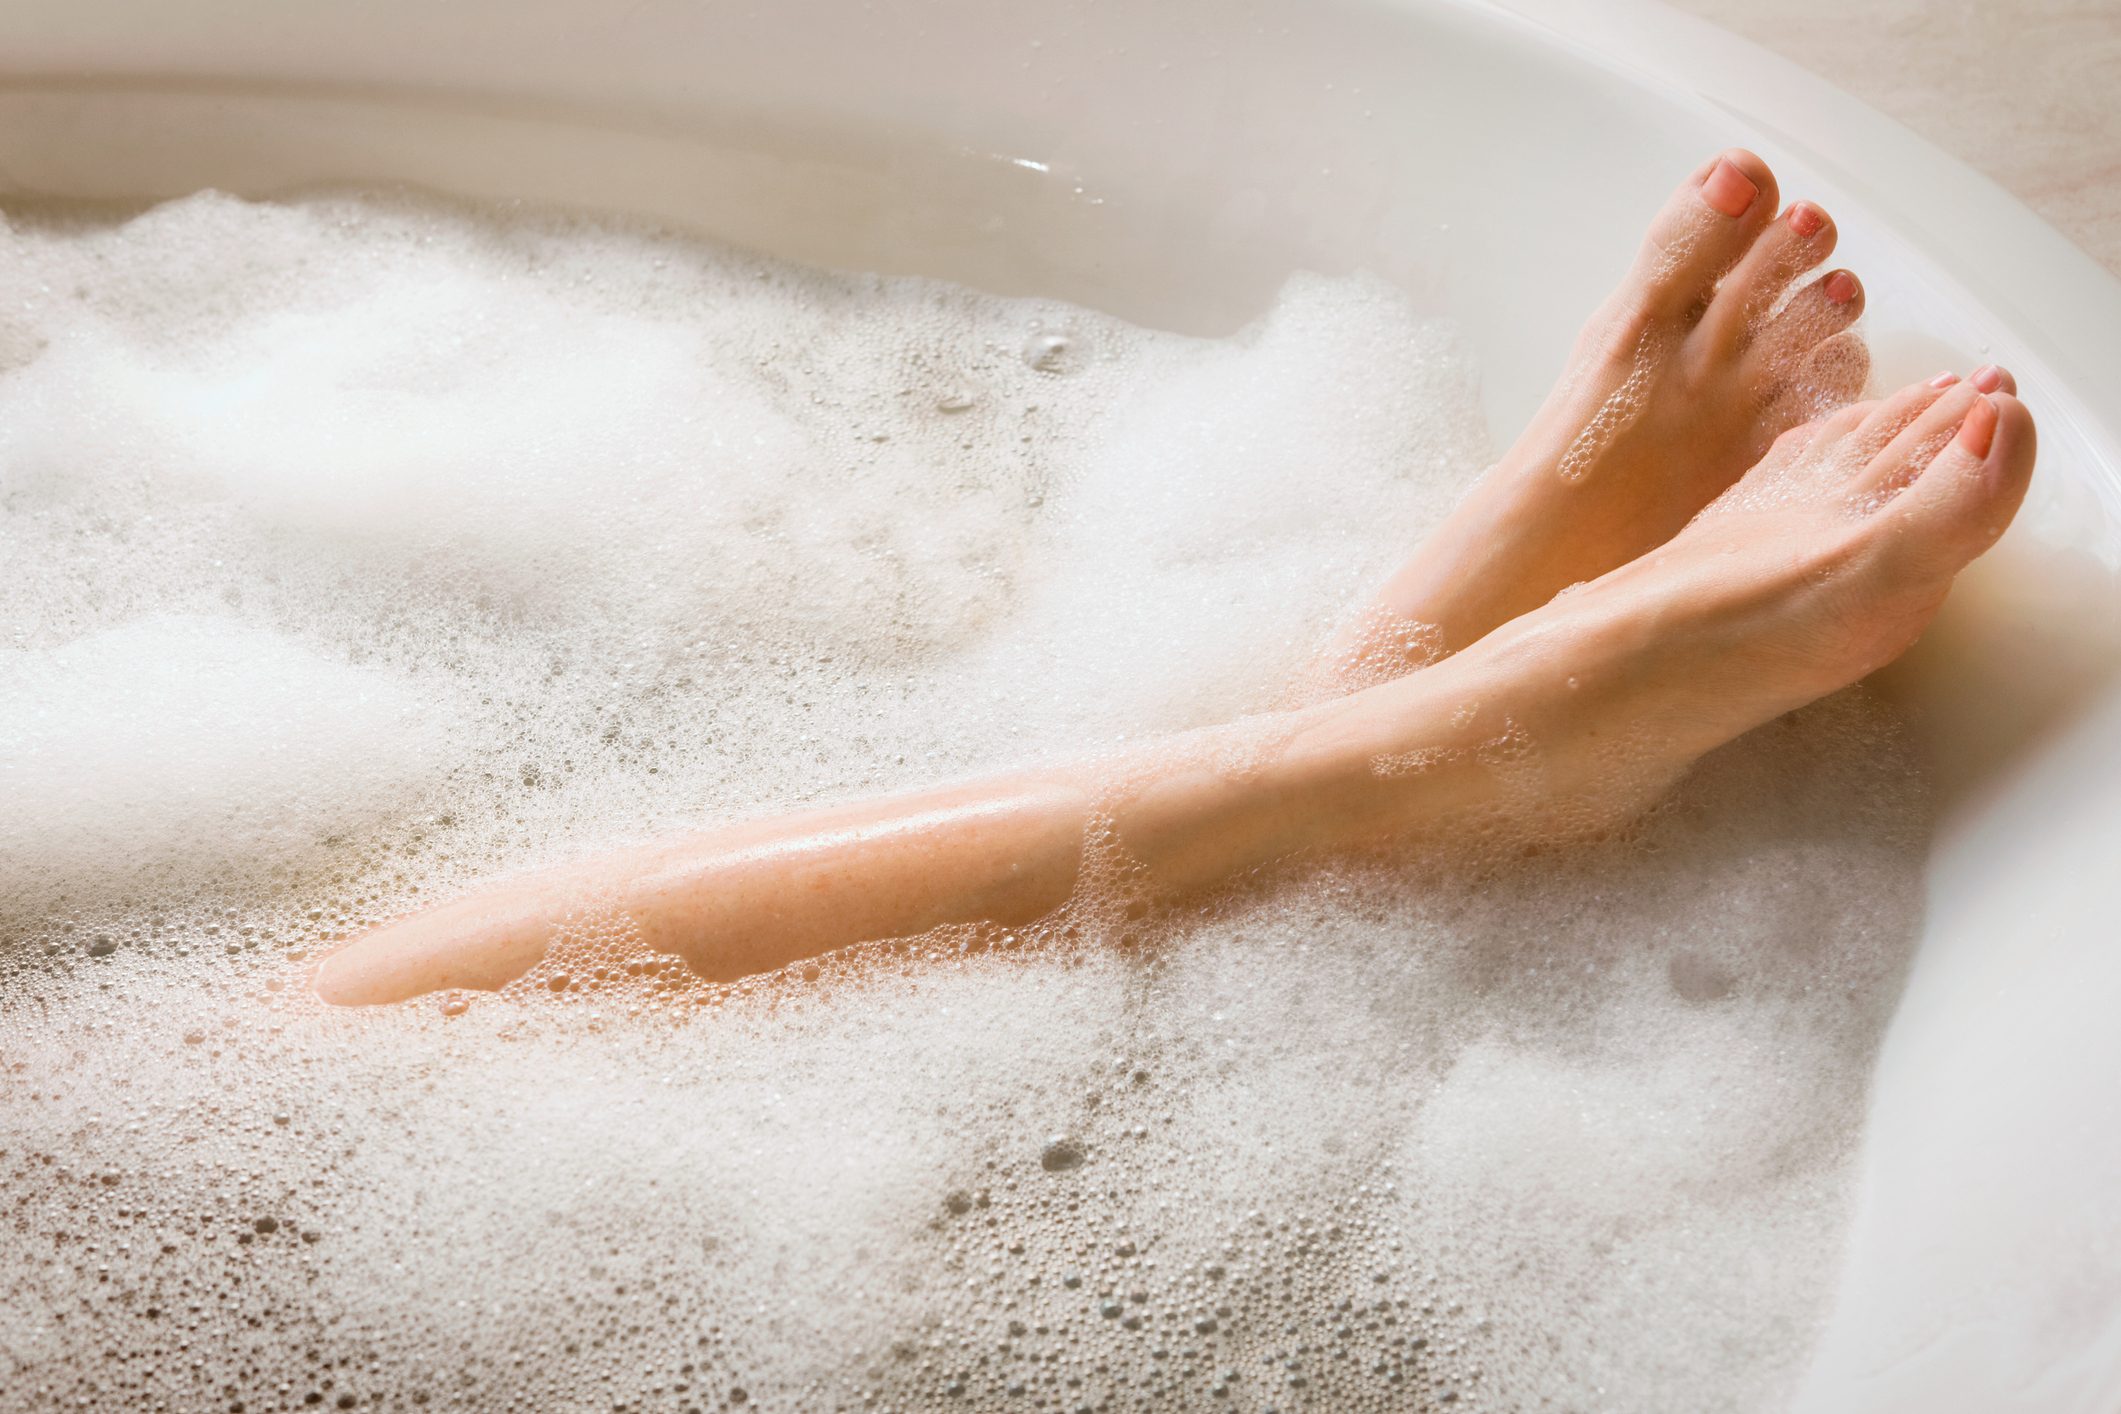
<point x="1840" y="287"/>
<point x="1944" y="379"/>
<point x="1728" y="190"/>
<point x="1806" y="219"/>
<point x="1978" y="429"/>
<point x="1988" y="378"/>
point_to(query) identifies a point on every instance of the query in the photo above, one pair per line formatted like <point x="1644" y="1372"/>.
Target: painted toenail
<point x="1840" y="287"/>
<point x="1806" y="219"/>
<point x="1944" y="379"/>
<point x="1729" y="190"/>
<point x="1978" y="429"/>
<point x="1988" y="378"/>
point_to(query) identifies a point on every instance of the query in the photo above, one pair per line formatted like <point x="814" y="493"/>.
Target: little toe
<point x="1705" y="229"/>
<point x="1839" y="367"/>
<point x="1831" y="375"/>
<point x="1816" y="313"/>
<point x="1800" y="241"/>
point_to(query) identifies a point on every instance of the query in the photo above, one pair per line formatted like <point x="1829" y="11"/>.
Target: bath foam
<point x="510" y="535"/>
<point x="189" y="743"/>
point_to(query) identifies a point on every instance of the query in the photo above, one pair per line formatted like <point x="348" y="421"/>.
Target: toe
<point x="1829" y="376"/>
<point x="1929" y="426"/>
<point x="1705" y="229"/>
<point x="1993" y="378"/>
<point x="1902" y="436"/>
<point x="1882" y="452"/>
<point x="1962" y="503"/>
<point x="1803" y="238"/>
<point x="1795" y="441"/>
<point x="1816" y="313"/>
<point x="1892" y="416"/>
<point x="1844" y="420"/>
<point x="1840" y="366"/>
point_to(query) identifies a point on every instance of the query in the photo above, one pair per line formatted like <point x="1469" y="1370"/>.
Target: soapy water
<point x="361" y="548"/>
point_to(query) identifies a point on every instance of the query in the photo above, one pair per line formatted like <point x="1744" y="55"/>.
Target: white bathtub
<point x="1171" y="162"/>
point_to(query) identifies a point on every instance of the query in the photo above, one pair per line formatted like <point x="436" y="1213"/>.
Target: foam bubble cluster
<point x="360" y="548"/>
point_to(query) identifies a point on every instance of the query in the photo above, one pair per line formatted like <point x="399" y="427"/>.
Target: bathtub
<point x="1171" y="163"/>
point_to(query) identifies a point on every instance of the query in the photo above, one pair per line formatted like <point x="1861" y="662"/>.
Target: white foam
<point x="196" y="742"/>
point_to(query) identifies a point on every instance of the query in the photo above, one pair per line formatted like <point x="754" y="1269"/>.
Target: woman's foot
<point x="1821" y="565"/>
<point x="1679" y="382"/>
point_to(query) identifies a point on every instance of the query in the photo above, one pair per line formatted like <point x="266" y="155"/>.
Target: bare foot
<point x="1821" y="565"/>
<point x="1678" y="383"/>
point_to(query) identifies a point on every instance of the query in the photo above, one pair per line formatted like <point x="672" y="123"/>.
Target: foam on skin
<point x="359" y="549"/>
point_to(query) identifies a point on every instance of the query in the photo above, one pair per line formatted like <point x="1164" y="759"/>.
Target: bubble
<point x="1052" y="353"/>
<point x="1061" y="1153"/>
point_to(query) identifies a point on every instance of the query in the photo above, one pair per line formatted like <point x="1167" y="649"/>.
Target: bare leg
<point x="1183" y="814"/>
<point x="1821" y="565"/>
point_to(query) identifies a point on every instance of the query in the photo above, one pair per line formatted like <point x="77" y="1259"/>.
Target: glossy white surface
<point x="1172" y="163"/>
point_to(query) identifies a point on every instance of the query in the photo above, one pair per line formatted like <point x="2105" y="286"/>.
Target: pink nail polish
<point x="1806" y="219"/>
<point x="1944" y="379"/>
<point x="1728" y="190"/>
<point x="1977" y="432"/>
<point x="1840" y="287"/>
<point x="1988" y="378"/>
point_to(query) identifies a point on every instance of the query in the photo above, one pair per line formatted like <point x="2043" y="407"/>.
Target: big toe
<point x="1706" y="228"/>
<point x="1964" y="499"/>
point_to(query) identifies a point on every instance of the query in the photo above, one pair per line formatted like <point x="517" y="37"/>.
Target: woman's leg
<point x="1179" y="815"/>
<point x="1823" y="564"/>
